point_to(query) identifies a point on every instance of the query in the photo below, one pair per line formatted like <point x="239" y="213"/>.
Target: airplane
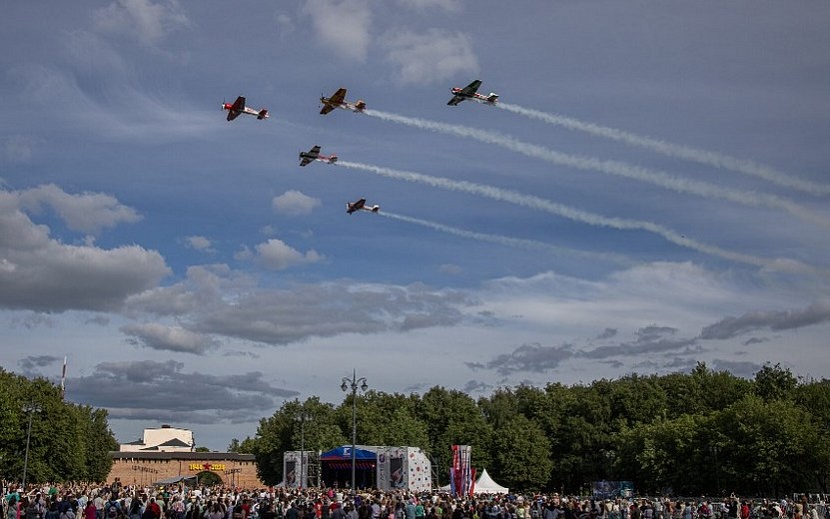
<point x="470" y="92"/>
<point x="307" y="157"/>
<point x="360" y="205"/>
<point x="238" y="107"/>
<point x="338" y="100"/>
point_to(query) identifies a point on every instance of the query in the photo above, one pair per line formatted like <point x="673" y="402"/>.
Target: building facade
<point x="162" y="439"/>
<point x="145" y="468"/>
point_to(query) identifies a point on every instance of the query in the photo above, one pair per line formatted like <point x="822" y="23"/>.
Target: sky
<point x="650" y="191"/>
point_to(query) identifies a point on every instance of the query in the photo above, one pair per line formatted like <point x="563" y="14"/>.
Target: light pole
<point x="30" y="408"/>
<point x="715" y="449"/>
<point x="302" y="416"/>
<point x="354" y="384"/>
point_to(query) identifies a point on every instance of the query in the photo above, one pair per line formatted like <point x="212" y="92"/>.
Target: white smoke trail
<point x="659" y="178"/>
<point x="708" y="158"/>
<point x="510" y="242"/>
<point x="534" y="202"/>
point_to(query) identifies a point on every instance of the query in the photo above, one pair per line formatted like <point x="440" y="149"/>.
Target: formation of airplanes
<point x="307" y="157"/>
<point x="338" y="100"/>
<point x="239" y="107"/>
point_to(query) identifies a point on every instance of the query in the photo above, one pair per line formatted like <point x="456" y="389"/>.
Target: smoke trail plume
<point x="708" y="158"/>
<point x="534" y="202"/>
<point x="612" y="167"/>
<point x="511" y="242"/>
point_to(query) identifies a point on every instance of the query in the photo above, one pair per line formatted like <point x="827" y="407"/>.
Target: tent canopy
<point x="486" y="485"/>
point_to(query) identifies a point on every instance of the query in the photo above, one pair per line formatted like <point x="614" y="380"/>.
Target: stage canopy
<point x="341" y="458"/>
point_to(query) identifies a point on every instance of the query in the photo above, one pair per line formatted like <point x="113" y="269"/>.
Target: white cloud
<point x="342" y="26"/>
<point x="431" y="57"/>
<point x="40" y="273"/>
<point x="294" y="203"/>
<point x="452" y="6"/>
<point x="19" y="148"/>
<point x="87" y="212"/>
<point x="147" y="21"/>
<point x="275" y="254"/>
<point x="199" y="243"/>
<point x="171" y="338"/>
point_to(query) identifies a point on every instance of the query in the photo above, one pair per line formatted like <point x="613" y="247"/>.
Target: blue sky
<point x="650" y="192"/>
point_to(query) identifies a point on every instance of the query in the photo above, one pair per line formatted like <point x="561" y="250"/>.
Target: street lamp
<point x="354" y="384"/>
<point x="30" y="408"/>
<point x="302" y="416"/>
<point x="715" y="449"/>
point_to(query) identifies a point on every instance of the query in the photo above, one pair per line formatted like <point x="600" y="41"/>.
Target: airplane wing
<point x="455" y="100"/>
<point x="326" y="109"/>
<point x="309" y="156"/>
<point x="338" y="96"/>
<point x="236" y="108"/>
<point x="471" y="89"/>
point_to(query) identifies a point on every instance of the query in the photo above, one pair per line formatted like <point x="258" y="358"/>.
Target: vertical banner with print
<point x="391" y="469"/>
<point x="289" y="469"/>
<point x="461" y="473"/>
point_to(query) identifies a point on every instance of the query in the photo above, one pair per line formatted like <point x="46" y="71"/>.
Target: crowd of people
<point x="178" y="502"/>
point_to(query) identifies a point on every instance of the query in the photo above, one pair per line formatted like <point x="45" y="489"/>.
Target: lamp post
<point x="302" y="416"/>
<point x="354" y="384"/>
<point x="30" y="408"/>
<point x="715" y="449"/>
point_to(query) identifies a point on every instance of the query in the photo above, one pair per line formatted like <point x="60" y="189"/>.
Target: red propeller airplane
<point x="360" y="205"/>
<point x="238" y="107"/>
<point x="307" y="157"/>
<point x="338" y="100"/>
<point x="470" y="92"/>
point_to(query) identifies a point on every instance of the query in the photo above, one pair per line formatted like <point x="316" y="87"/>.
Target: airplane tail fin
<point x="493" y="97"/>
<point x="375" y="208"/>
<point x="333" y="159"/>
<point x="263" y="114"/>
<point x="360" y="105"/>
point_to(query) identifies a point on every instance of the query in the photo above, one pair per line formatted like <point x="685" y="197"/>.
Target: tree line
<point x="704" y="432"/>
<point x="67" y="442"/>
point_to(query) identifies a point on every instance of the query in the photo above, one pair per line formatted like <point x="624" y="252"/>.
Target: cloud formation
<point x="40" y="273"/>
<point x="431" y="57"/>
<point x="342" y="26"/>
<point x="87" y="212"/>
<point x="295" y="203"/>
<point x="132" y="390"/>
<point x="277" y="255"/>
<point x="729" y="327"/>
<point x="147" y="21"/>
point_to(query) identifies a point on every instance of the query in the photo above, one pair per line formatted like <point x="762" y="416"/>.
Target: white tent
<point x="486" y="485"/>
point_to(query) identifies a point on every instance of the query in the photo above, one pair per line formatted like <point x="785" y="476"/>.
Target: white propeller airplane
<point x="360" y="205"/>
<point x="238" y="107"/>
<point x="470" y="92"/>
<point x="307" y="157"/>
<point x="338" y="100"/>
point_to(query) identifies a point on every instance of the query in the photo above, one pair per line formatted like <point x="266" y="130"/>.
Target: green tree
<point x="453" y="418"/>
<point x="775" y="383"/>
<point x="521" y="454"/>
